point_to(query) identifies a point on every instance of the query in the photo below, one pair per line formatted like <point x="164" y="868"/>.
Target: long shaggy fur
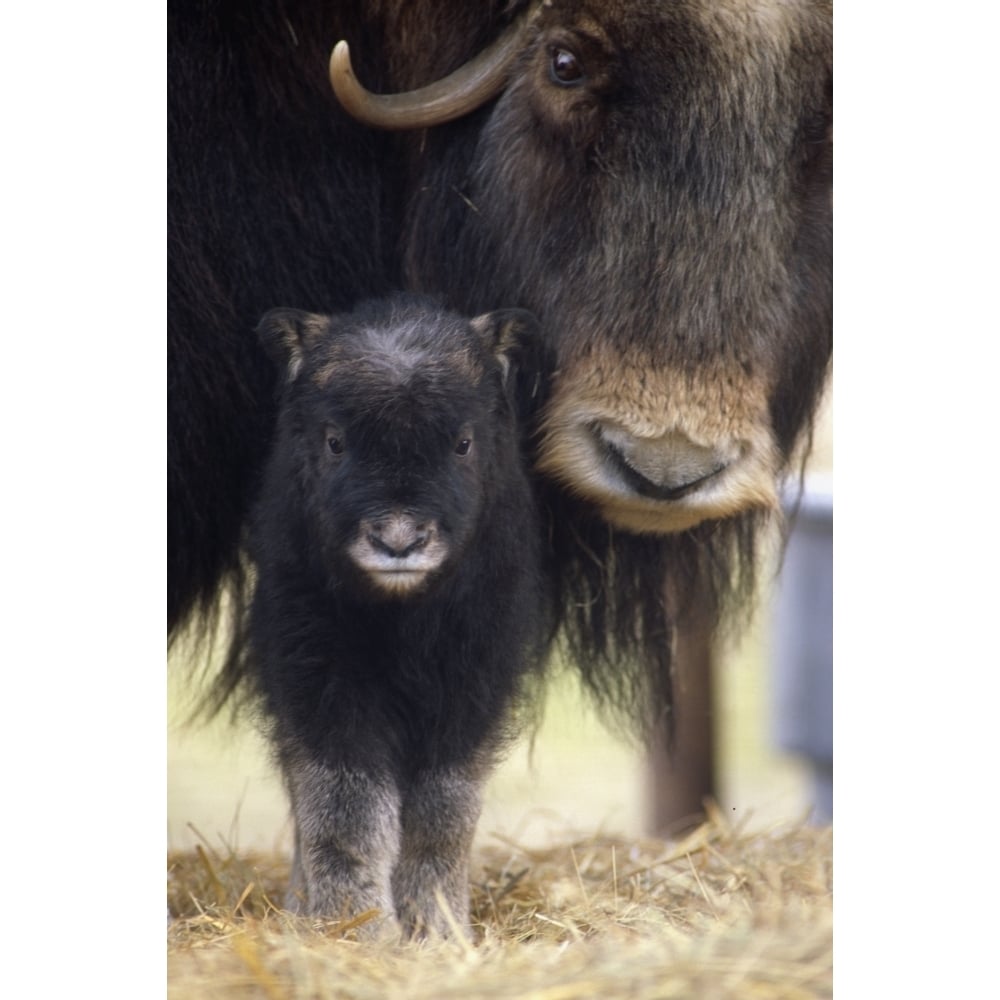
<point x="400" y="604"/>
<point x="669" y="221"/>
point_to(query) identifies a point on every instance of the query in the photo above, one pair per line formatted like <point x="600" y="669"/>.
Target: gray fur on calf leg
<point x="440" y="811"/>
<point x="346" y="842"/>
<point x="295" y="897"/>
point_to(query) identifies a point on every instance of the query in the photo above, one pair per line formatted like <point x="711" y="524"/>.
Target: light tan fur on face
<point x="397" y="575"/>
<point x="719" y="410"/>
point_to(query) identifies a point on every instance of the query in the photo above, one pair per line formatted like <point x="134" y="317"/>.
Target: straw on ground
<point x="725" y="912"/>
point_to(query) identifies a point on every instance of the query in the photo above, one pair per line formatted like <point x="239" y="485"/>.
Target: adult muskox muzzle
<point x="654" y="182"/>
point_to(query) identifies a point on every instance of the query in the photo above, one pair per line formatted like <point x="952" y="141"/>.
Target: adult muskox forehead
<point x="689" y="63"/>
<point x="729" y="27"/>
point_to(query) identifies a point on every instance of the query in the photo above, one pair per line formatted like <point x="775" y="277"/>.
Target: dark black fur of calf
<point x="400" y="601"/>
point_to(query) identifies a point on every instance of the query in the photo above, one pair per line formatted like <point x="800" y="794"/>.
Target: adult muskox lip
<point x="644" y="487"/>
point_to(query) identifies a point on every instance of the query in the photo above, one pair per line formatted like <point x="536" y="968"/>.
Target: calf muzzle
<point x="399" y="537"/>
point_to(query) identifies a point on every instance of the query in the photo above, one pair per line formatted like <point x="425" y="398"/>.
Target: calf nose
<point x="399" y="537"/>
<point x="666" y="467"/>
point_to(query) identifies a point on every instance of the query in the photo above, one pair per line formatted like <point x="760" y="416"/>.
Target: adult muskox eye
<point x="463" y="447"/>
<point x="335" y="442"/>
<point x="564" y="67"/>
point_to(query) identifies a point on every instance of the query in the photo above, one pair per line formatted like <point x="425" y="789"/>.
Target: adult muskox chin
<point x="652" y="179"/>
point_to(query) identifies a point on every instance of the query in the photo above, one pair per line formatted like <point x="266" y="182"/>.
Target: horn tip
<point x="340" y="64"/>
<point x="340" y="57"/>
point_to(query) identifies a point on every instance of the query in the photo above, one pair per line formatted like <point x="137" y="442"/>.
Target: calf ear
<point x="513" y="337"/>
<point x="286" y="333"/>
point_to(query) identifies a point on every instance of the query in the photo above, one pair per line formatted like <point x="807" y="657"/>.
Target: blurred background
<point x="757" y="736"/>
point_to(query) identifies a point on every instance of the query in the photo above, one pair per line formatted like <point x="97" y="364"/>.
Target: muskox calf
<point x="400" y="601"/>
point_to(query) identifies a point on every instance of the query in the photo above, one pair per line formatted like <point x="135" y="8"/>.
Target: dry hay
<point x="721" y="913"/>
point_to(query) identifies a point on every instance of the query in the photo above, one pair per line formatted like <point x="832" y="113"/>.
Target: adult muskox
<point x="652" y="179"/>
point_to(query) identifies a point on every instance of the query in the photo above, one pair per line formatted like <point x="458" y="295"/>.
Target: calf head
<point x="399" y="421"/>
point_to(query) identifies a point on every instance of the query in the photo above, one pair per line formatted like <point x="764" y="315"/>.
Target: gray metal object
<point x="803" y="640"/>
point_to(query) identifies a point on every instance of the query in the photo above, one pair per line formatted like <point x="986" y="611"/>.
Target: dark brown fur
<point x="668" y="219"/>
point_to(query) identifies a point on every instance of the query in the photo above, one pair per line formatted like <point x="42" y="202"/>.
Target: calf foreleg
<point x="440" y="811"/>
<point x="346" y="840"/>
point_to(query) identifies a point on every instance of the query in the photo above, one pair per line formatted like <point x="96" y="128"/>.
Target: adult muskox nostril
<point x="667" y="467"/>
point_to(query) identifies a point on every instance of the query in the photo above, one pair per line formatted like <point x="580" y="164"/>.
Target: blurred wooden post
<point x="680" y="781"/>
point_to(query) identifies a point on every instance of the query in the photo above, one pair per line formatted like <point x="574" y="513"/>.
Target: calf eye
<point x="463" y="447"/>
<point x="564" y="67"/>
<point x="336" y="444"/>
